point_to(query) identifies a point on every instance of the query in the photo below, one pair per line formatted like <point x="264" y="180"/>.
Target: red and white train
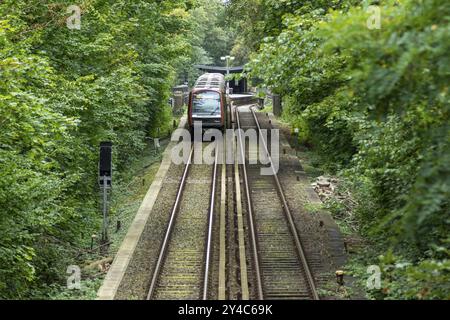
<point x="208" y="102"/>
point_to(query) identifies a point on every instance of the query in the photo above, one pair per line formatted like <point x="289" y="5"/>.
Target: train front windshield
<point x="206" y="103"/>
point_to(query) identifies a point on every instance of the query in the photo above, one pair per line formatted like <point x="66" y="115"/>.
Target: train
<point x="208" y="102"/>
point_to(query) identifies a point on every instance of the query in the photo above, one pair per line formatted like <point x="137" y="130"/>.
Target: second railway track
<point x="280" y="265"/>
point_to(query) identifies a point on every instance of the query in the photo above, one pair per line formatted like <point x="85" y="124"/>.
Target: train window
<point x="206" y="103"/>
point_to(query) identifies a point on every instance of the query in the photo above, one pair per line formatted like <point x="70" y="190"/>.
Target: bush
<point x="376" y="107"/>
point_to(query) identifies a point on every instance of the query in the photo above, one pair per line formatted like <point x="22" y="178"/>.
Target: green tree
<point x="376" y="107"/>
<point x="63" y="91"/>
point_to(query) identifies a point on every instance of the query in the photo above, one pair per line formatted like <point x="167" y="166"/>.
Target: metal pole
<point x="105" y="211"/>
<point x="228" y="74"/>
<point x="227" y="59"/>
<point x="210" y="226"/>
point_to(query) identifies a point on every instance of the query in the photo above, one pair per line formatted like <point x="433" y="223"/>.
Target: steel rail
<point x="245" y="294"/>
<point x="165" y="244"/>
<point x="259" y="287"/>
<point x="222" y="229"/>
<point x="210" y="226"/>
<point x="298" y="244"/>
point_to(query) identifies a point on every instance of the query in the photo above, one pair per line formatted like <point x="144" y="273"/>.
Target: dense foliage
<point x="212" y="38"/>
<point x="62" y="91"/>
<point x="374" y="103"/>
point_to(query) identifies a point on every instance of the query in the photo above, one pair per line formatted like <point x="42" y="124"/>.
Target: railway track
<point x="183" y="267"/>
<point x="281" y="269"/>
<point x="186" y="258"/>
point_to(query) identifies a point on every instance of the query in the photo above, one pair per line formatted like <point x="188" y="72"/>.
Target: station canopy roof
<point x="216" y="69"/>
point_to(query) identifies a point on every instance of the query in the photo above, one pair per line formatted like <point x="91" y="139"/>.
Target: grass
<point x="313" y="207"/>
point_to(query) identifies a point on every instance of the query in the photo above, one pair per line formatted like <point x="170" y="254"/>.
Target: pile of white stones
<point x="325" y="187"/>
